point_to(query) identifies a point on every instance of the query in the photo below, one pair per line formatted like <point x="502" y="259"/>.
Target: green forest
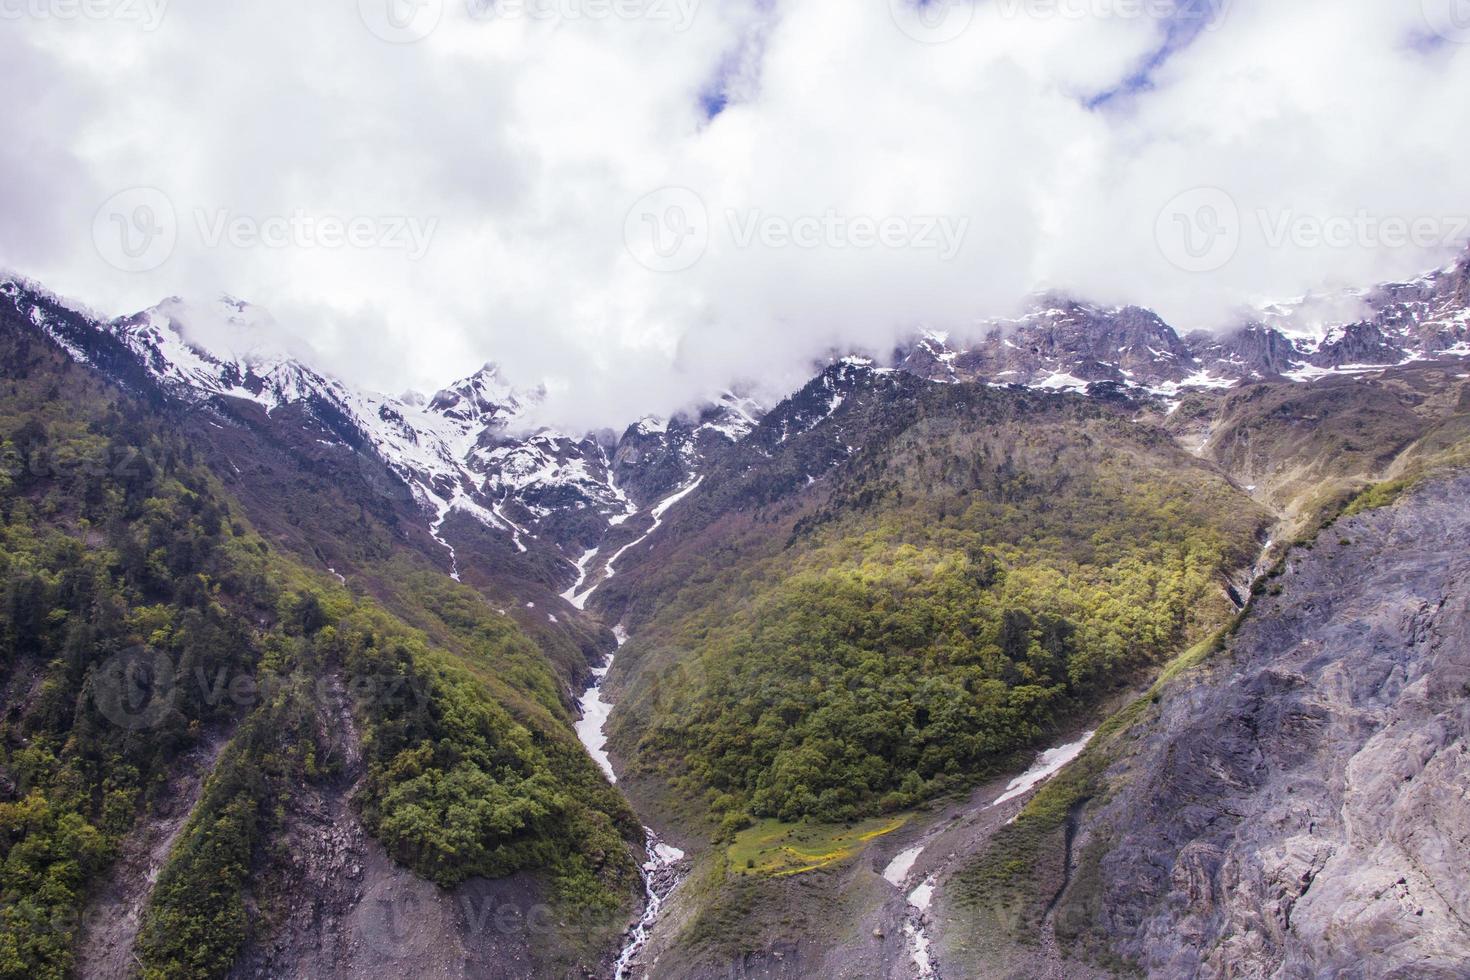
<point x="967" y="586"/>
<point x="142" y="619"/>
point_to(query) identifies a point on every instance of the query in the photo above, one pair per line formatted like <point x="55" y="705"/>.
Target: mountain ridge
<point x="471" y="447"/>
<point x="863" y="602"/>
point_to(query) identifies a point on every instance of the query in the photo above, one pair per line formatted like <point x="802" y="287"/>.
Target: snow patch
<point x="898" y="869"/>
<point x="658" y="512"/>
<point x="1047" y="765"/>
<point x="919" y="950"/>
<point x="667" y="853"/>
<point x="595" y="712"/>
<point x="923" y="896"/>
<point x="1062" y="381"/>
<point x="570" y="595"/>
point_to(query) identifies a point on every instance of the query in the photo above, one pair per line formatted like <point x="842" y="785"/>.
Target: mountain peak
<point x="484" y="397"/>
<point x="225" y="330"/>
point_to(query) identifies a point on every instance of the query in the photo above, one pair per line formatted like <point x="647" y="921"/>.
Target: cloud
<point x="815" y="173"/>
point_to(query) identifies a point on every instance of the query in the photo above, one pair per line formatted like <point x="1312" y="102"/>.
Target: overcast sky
<point x="640" y="201"/>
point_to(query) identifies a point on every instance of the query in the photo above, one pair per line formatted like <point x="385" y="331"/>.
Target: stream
<point x="663" y="870"/>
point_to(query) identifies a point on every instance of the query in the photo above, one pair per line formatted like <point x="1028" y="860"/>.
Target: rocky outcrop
<point x="1302" y="807"/>
<point x="1253" y="351"/>
<point x="1065" y="344"/>
<point x="337" y="906"/>
<point x="1356" y="344"/>
<point x="1061" y="343"/>
<point x="114" y="913"/>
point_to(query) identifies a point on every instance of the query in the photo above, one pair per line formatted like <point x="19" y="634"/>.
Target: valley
<point x="1077" y="648"/>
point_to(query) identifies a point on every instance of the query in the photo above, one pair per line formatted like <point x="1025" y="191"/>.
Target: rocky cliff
<point x="1300" y="806"/>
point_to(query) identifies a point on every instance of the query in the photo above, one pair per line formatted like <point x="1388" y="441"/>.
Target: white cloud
<point x="528" y="138"/>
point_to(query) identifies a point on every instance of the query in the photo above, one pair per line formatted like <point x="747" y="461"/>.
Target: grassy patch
<point x="1186" y="661"/>
<point x="1379" y="495"/>
<point x="1005" y="891"/>
<point x="778" y="849"/>
<point x="1430" y="460"/>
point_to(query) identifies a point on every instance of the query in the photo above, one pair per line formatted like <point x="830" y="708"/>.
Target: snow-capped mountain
<point x="1061" y="344"/>
<point x="239" y="359"/>
<point x="1068" y="345"/>
<point x="472" y="448"/>
<point x="656" y="456"/>
<point x="469" y="448"/>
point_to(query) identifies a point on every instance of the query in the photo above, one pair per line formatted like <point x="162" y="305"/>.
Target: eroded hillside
<point x="1295" y="806"/>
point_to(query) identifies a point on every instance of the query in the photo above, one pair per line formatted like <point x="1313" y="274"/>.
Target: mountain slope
<point x="852" y="616"/>
<point x="1294" y="807"/>
<point x="144" y="618"/>
<point x="537" y="497"/>
<point x="884" y="595"/>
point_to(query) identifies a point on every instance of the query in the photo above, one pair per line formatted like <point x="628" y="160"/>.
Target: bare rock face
<point x="1303" y="809"/>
